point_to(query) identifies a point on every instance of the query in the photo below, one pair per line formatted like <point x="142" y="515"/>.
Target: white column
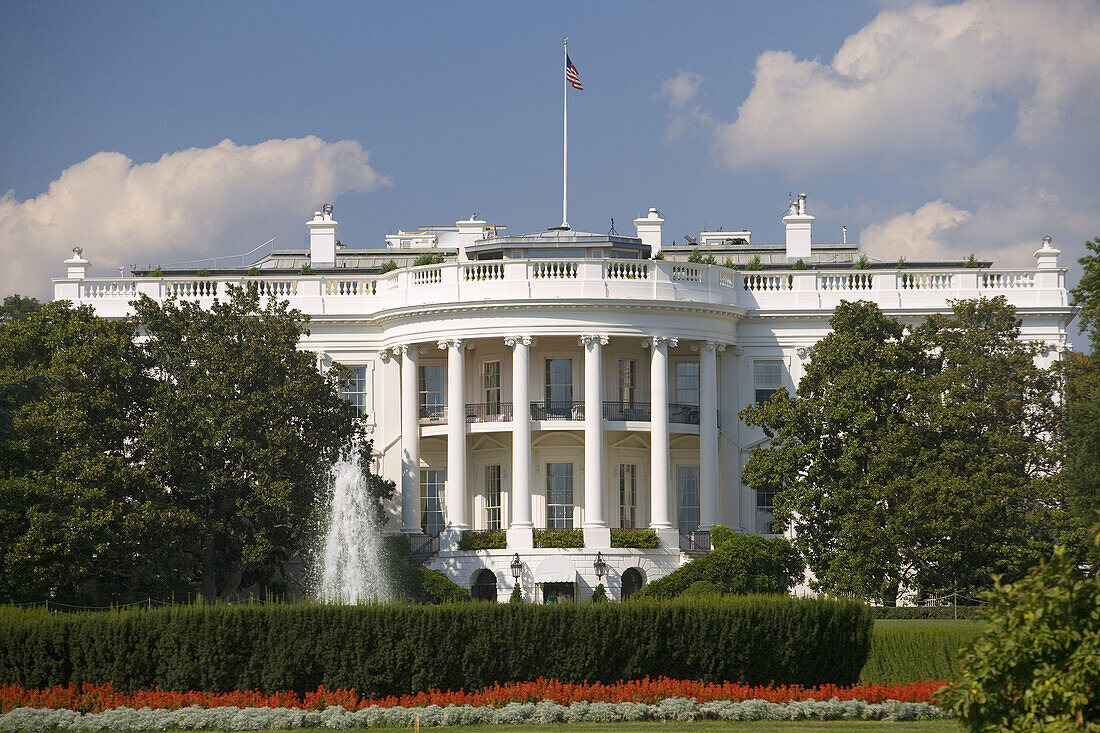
<point x="410" y="438"/>
<point x="596" y="532"/>
<point x="456" y="434"/>
<point x="708" y="433"/>
<point x="660" y="518"/>
<point x="520" y="529"/>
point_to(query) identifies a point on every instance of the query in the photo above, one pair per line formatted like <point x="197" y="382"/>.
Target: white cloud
<point x="681" y="89"/>
<point x="222" y="199"/>
<point x="916" y="235"/>
<point x="913" y="81"/>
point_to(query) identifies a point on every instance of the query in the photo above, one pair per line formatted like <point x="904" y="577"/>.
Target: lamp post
<point x="517" y="567"/>
<point x="600" y="566"/>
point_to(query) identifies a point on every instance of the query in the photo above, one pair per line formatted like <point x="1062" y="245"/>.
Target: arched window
<point x="632" y="581"/>
<point x="484" y="587"/>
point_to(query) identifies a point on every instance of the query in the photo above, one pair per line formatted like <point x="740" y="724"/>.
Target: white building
<point x="569" y="380"/>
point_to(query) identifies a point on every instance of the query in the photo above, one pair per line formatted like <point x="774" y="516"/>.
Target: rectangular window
<point x="490" y="383"/>
<point x="765" y="512"/>
<point x="355" y="389"/>
<point x="627" y="382"/>
<point x="628" y="495"/>
<point x="687" y="383"/>
<point x="433" y="400"/>
<point x="559" y="387"/>
<point x="432" y="485"/>
<point x="559" y="495"/>
<point x="687" y="493"/>
<point x="767" y="376"/>
<point x="492" y="497"/>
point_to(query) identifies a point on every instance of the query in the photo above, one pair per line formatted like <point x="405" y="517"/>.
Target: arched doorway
<point x="484" y="587"/>
<point x="632" y="581"/>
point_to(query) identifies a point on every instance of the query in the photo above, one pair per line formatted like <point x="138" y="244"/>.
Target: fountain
<point x="350" y="566"/>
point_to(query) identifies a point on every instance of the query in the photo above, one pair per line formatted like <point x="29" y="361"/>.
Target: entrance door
<point x="485" y="586"/>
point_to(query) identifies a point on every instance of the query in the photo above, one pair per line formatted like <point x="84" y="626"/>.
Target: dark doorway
<point x="632" y="582"/>
<point x="485" y="586"/>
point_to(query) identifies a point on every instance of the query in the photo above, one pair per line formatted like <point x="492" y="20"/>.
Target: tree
<point x="16" y="307"/>
<point x="241" y="430"/>
<point x="1086" y="295"/>
<point x="914" y="458"/>
<point x="80" y="521"/>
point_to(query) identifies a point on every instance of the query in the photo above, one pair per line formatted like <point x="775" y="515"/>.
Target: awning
<point x="555" y="569"/>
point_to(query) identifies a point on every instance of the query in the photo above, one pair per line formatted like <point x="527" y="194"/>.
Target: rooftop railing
<point x="490" y="282"/>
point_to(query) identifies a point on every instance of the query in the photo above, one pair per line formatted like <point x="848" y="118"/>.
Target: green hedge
<point x="942" y="613"/>
<point x="641" y="538"/>
<point x="911" y="650"/>
<point x="487" y="539"/>
<point x="380" y="650"/>
<point x="559" y="538"/>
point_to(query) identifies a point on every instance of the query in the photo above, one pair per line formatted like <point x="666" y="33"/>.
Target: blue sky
<point x="929" y="130"/>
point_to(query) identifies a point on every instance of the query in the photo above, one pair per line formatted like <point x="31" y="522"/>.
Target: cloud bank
<point x="999" y="99"/>
<point x="222" y="199"/>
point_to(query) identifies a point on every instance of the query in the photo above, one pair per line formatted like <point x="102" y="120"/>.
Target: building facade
<point x="563" y="380"/>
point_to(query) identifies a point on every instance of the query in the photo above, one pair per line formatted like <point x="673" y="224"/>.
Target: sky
<point x="169" y="132"/>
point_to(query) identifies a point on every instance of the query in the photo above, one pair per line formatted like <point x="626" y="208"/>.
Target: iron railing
<point x="683" y="414"/>
<point x="489" y="412"/>
<point x="697" y="540"/>
<point x="433" y="414"/>
<point x="622" y="411"/>
<point x="557" y="410"/>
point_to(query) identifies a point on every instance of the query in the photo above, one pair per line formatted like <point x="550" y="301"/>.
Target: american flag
<point x="571" y="74"/>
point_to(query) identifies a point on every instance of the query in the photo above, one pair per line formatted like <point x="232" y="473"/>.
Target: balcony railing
<point x="623" y="411"/>
<point x="683" y="414"/>
<point x="433" y="414"/>
<point x="697" y="540"/>
<point x="489" y="412"/>
<point x="557" y="410"/>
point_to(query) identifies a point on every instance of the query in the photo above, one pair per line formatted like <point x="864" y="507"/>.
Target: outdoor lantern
<point x="517" y="567"/>
<point x="600" y="566"/>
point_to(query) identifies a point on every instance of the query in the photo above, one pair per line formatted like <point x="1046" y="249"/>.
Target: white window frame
<point x="763" y="390"/>
<point x="684" y="396"/>
<point x="568" y="521"/>
<point x="433" y="477"/>
<point x="492" y="476"/>
<point x="628" y="490"/>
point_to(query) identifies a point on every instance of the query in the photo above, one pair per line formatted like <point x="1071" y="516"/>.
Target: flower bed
<point x="88" y="698"/>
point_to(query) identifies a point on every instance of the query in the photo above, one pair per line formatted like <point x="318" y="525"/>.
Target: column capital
<point x="717" y="346"/>
<point x="659" y="341"/>
<point x="589" y="339"/>
<point x="406" y="349"/>
<point x="386" y="354"/>
<point x="453" y="343"/>
<point x="513" y="341"/>
<point x="803" y="352"/>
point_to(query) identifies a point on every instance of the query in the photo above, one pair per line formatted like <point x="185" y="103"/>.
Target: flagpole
<point x="565" y="135"/>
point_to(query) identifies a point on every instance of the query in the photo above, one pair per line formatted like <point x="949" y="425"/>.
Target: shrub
<point x="640" y="538"/>
<point x="489" y="539"/>
<point x="253" y="271"/>
<point x="701" y="588"/>
<point x="428" y="259"/>
<point x="203" y="272"/>
<point x="911" y="650"/>
<point x="862" y="263"/>
<point x="158" y="271"/>
<point x="559" y="538"/>
<point x="306" y="270"/>
<point x="799" y="264"/>
<point x="971" y="261"/>
<point x="599" y="594"/>
<point x="729" y="264"/>
<point x="942" y="613"/>
<point x="1038" y="663"/>
<point x="386" y="649"/>
<point x="517" y="594"/>
<point x="739" y="564"/>
<point x="389" y="266"/>
<point x="754" y="264"/>
<point x="659" y="256"/>
<point x="438" y="588"/>
<point x="695" y="256"/>
<point x="901" y="264"/>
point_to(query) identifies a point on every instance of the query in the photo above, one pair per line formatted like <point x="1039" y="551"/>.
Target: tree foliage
<point x="188" y="460"/>
<point x="914" y="457"/>
<point x="1037" y="666"/>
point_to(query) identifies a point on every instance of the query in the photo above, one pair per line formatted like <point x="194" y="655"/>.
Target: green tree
<point x="241" y="430"/>
<point x="913" y="457"/>
<point x="16" y="307"/>
<point x="80" y="521"/>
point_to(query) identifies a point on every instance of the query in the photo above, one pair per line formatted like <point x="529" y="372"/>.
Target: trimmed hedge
<point x="483" y="539"/>
<point x="559" y="538"/>
<point x="641" y="538"/>
<point x="390" y="650"/>
<point x="942" y="613"/>
<point x="912" y="650"/>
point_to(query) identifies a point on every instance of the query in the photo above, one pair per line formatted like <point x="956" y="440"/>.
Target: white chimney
<point x="798" y="224"/>
<point x="1046" y="257"/>
<point x="77" y="265"/>
<point x="322" y="238"/>
<point x="469" y="231"/>
<point x="649" y="231"/>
